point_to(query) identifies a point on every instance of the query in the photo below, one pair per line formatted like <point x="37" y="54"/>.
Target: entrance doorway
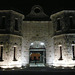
<point x="37" y="56"/>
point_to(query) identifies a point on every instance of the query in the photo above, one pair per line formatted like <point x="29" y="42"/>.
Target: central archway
<point x="37" y="54"/>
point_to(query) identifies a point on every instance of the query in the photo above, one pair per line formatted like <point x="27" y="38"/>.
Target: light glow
<point x="10" y="66"/>
<point x="63" y="63"/>
<point x="73" y="44"/>
<point x="1" y="45"/>
<point x="41" y="43"/>
<point x="31" y="43"/>
<point x="59" y="45"/>
<point x="12" y="69"/>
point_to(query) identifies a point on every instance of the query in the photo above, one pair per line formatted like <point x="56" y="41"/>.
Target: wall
<point x="9" y="37"/>
<point x="37" y="31"/>
<point x="63" y="37"/>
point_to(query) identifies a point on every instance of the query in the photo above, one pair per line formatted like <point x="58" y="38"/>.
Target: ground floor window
<point x="73" y="50"/>
<point x="1" y="52"/>
<point x="14" y="57"/>
<point x="60" y="48"/>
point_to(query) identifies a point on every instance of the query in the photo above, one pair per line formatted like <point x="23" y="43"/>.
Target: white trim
<point x="73" y="44"/>
<point x="1" y="45"/>
<point x="15" y="45"/>
<point x="60" y="45"/>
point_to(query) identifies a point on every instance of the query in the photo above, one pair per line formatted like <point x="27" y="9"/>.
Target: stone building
<point x="37" y="39"/>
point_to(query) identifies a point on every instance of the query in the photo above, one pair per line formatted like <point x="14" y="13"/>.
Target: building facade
<point x="37" y="39"/>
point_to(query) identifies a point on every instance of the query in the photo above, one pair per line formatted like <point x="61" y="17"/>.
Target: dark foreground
<point x="38" y="71"/>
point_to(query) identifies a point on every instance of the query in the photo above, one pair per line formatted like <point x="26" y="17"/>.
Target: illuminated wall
<point x="67" y="55"/>
<point x="10" y="38"/>
<point x="64" y="29"/>
<point x="16" y="36"/>
<point x="37" y="31"/>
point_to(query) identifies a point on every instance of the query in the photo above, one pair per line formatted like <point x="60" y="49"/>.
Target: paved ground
<point x="41" y="69"/>
<point x="38" y="71"/>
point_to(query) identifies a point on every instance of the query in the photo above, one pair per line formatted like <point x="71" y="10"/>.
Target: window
<point x="14" y="58"/>
<point x="58" y="24"/>
<point x="16" y="24"/>
<point x="2" y="26"/>
<point x="72" y="26"/>
<point x="73" y="42"/>
<point x="1" y="52"/>
<point x="60" y="47"/>
<point x="73" y="49"/>
<point x="37" y="10"/>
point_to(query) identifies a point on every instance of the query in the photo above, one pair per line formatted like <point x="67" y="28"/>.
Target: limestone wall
<point x="9" y="37"/>
<point x="37" y="31"/>
<point x="8" y="42"/>
<point x="67" y="55"/>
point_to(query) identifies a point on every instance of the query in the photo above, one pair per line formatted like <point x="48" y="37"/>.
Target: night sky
<point x="49" y="6"/>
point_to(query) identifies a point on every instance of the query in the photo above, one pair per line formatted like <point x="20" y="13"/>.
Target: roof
<point x="12" y="11"/>
<point x="37" y="14"/>
<point x="61" y="12"/>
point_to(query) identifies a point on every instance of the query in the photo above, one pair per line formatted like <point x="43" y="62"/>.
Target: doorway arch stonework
<point x="37" y="54"/>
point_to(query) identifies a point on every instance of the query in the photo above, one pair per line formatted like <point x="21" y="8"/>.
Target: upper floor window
<point x="72" y="26"/>
<point x="2" y="26"/>
<point x="58" y="24"/>
<point x="16" y="24"/>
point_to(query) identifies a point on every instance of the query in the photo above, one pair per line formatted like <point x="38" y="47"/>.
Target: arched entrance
<point x="37" y="54"/>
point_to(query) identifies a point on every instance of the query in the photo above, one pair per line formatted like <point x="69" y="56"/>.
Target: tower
<point x="10" y="38"/>
<point x="64" y="29"/>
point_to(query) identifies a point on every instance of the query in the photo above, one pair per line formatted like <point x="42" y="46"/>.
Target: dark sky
<point x="49" y="6"/>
